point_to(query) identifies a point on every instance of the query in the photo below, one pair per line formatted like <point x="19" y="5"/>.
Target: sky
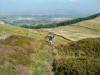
<point x="84" y="6"/>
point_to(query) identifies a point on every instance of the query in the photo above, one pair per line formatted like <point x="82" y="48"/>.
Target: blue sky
<point x="31" y="5"/>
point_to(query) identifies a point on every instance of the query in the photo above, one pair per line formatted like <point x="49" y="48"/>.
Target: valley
<point x="33" y="20"/>
<point x="75" y="49"/>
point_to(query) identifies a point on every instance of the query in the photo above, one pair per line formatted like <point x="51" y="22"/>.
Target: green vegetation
<point x="78" y="58"/>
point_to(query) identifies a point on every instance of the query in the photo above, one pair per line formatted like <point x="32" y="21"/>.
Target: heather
<point x="20" y="55"/>
<point x="78" y="58"/>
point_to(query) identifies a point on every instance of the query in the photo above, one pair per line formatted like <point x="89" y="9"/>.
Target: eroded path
<point x="44" y="64"/>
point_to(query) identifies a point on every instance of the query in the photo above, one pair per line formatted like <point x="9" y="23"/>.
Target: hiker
<point x="77" y="53"/>
<point x="51" y="38"/>
<point x="27" y="34"/>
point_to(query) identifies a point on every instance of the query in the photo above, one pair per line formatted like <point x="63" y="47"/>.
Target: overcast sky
<point x="30" y="5"/>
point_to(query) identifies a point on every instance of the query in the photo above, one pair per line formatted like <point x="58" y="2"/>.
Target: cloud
<point x="73" y="0"/>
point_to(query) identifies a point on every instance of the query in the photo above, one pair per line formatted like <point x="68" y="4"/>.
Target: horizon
<point x="50" y="6"/>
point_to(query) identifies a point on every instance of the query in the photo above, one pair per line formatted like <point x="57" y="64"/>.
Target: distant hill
<point x="79" y="30"/>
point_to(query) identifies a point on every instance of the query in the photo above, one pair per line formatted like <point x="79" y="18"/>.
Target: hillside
<point x="38" y="34"/>
<point x="80" y="30"/>
<point x="25" y="52"/>
<point x="75" y="50"/>
<point x="78" y="58"/>
<point x="20" y="55"/>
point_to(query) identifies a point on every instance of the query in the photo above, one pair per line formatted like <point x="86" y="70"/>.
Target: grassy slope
<point x="84" y="29"/>
<point x="38" y="34"/>
<point x="31" y="53"/>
